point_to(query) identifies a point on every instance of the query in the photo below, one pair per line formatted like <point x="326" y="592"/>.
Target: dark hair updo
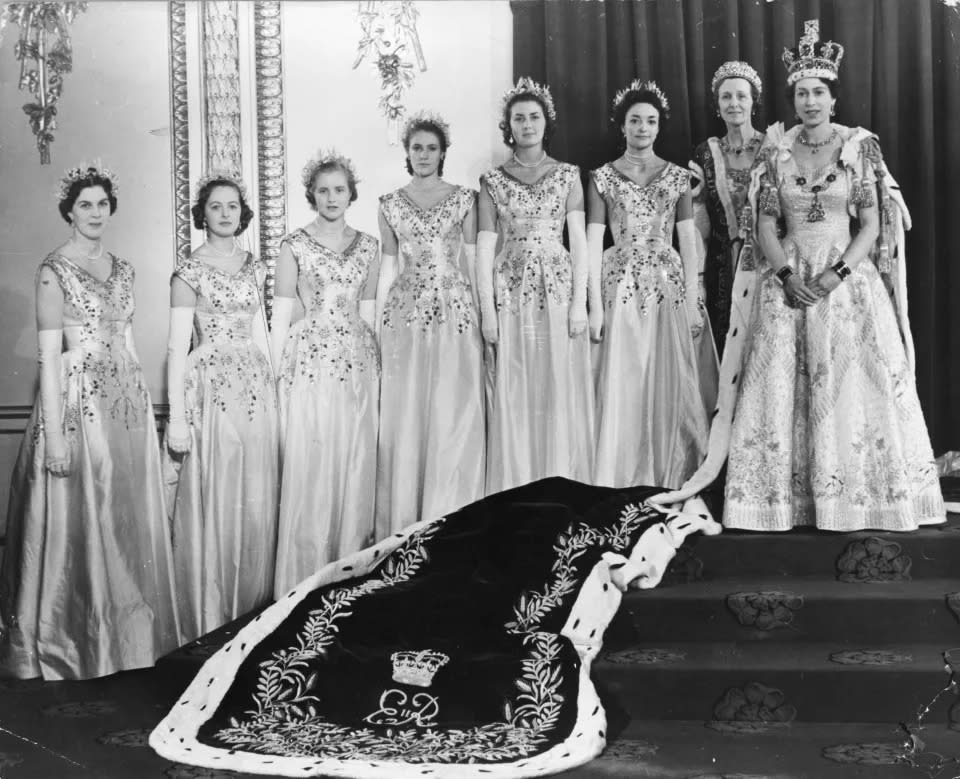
<point x="831" y="83"/>
<point x="203" y="195"/>
<point x="524" y="97"/>
<point x="90" y="178"/>
<point x="635" y="96"/>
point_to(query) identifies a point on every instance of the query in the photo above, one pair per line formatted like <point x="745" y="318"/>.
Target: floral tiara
<point x="527" y="86"/>
<point x="323" y="158"/>
<point x="221" y="175"/>
<point x="736" y="69"/>
<point x="82" y="172"/>
<point x="642" y="86"/>
<point x="426" y="117"/>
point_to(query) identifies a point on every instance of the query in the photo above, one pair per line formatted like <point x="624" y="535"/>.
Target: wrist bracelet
<point x="841" y="269"/>
<point x="784" y="273"/>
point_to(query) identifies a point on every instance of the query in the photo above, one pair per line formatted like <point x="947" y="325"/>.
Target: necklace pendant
<point x="816" y="213"/>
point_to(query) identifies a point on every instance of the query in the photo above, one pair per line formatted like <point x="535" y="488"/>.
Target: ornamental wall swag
<point x="44" y="41"/>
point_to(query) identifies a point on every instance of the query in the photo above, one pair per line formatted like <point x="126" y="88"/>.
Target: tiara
<point x="527" y="86"/>
<point x="221" y="175"/>
<point x="736" y="69"/>
<point x="642" y="86"/>
<point x="422" y="117"/>
<point x="326" y="157"/>
<point x="806" y="61"/>
<point x="417" y="668"/>
<point x="85" y="170"/>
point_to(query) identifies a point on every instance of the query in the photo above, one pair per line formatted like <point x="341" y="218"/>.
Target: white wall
<point x="468" y="48"/>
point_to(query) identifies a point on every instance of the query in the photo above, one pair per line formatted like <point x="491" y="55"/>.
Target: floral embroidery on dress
<point x="643" y="264"/>
<point x="332" y="339"/>
<point x="431" y="290"/>
<point x="533" y="267"/>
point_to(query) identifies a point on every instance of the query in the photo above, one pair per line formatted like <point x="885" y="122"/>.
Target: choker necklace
<point x="727" y="148"/>
<point x="637" y="160"/>
<point x="523" y="164"/>
<point x="815" y="146"/>
<point x="221" y="252"/>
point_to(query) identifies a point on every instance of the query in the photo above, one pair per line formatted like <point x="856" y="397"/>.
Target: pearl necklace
<point x="92" y="257"/>
<point x="637" y="160"/>
<point x="815" y="146"/>
<point x="523" y="164"/>
<point x="221" y="252"/>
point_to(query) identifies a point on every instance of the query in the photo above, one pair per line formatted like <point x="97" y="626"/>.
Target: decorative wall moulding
<point x="221" y="84"/>
<point x="179" y="129"/>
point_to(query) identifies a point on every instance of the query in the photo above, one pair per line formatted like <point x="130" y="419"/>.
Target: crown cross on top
<point x="812" y="59"/>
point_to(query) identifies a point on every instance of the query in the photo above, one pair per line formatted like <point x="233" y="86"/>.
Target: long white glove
<point x="577" y="232"/>
<point x="279" y="328"/>
<point x="486" y="247"/>
<point x="368" y="313"/>
<point x="178" y="345"/>
<point x="595" y="232"/>
<point x="385" y="279"/>
<point x="470" y="257"/>
<point x="50" y="358"/>
<point x="128" y="339"/>
<point x="687" y="235"/>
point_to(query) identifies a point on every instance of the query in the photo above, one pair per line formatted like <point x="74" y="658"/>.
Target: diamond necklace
<point x="815" y="146"/>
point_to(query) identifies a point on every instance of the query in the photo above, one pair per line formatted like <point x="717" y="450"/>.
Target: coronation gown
<point x="541" y="419"/>
<point x="86" y="587"/>
<point x="224" y="503"/>
<point x="652" y="418"/>
<point x="828" y="429"/>
<point x="432" y="419"/>
<point x="329" y="390"/>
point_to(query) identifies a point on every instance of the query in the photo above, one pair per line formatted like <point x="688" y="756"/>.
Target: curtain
<point x="899" y="77"/>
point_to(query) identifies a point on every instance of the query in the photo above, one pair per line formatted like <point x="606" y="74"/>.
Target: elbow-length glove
<point x="595" y="279"/>
<point x="388" y="274"/>
<point x="56" y="457"/>
<point x="178" y="345"/>
<point x="486" y="246"/>
<point x="686" y="234"/>
<point x="279" y="328"/>
<point x="580" y="262"/>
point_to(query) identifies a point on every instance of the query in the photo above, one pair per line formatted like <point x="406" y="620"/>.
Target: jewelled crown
<point x="811" y="58"/>
<point x="221" y="175"/>
<point x="417" y="668"/>
<point x="736" y="69"/>
<point x="326" y="157"/>
<point x="83" y="171"/>
<point x="527" y="86"/>
<point x="642" y="86"/>
<point x="426" y="116"/>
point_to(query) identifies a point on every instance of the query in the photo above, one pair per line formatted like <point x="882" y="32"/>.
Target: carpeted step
<point x="782" y="610"/>
<point x="813" y="682"/>
<point x="930" y="552"/>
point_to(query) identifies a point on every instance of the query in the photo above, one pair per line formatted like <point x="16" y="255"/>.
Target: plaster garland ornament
<point x="45" y="41"/>
<point x="389" y="34"/>
<point x="180" y="127"/>
<point x="221" y="83"/>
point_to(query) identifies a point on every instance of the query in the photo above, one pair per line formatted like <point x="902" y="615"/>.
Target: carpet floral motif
<point x="882" y="753"/>
<point x="871" y="657"/>
<point x="953" y="603"/>
<point x="629" y="749"/>
<point x="953" y="717"/>
<point x="81" y="709"/>
<point x="873" y="560"/>
<point x="684" y="567"/>
<point x="644" y="656"/>
<point x="768" y="610"/>
<point x="131" y="737"/>
<point x="753" y="709"/>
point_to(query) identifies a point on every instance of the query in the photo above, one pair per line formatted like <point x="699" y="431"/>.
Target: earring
<point x="718" y="112"/>
<point x="833" y="110"/>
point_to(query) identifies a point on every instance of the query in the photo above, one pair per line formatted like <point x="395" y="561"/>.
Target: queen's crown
<point x="812" y="59"/>
<point x="417" y="668"/>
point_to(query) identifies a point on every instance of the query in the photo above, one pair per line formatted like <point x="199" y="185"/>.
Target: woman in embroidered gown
<point x="432" y="427"/>
<point x="86" y="587"/>
<point x="329" y="379"/>
<point x="648" y="378"/>
<point x="533" y="303"/>
<point x="828" y="428"/>
<point x="223" y="429"/>
<point x="722" y="166"/>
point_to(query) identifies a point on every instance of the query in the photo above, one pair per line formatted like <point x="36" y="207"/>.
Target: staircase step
<point x="688" y="750"/>
<point x="933" y="552"/>
<point x="788" y="610"/>
<point x="815" y="681"/>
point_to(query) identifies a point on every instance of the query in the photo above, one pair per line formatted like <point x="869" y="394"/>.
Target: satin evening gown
<point x="432" y="418"/>
<point x="652" y="418"/>
<point x="542" y="409"/>
<point x="329" y="390"/>
<point x="86" y="587"/>
<point x="224" y="503"/>
<point x="828" y="429"/>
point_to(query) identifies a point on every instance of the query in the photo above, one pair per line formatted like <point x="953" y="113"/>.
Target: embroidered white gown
<point x="652" y="417"/>
<point x="329" y="390"/>
<point x="87" y="587"/>
<point x="828" y="428"/>
<point x="224" y="502"/>
<point x="542" y="415"/>
<point x="432" y="420"/>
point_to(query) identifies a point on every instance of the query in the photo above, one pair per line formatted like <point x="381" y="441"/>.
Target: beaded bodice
<point x="330" y="282"/>
<point x="226" y="302"/>
<point x="431" y="287"/>
<point x="101" y="310"/>
<point x="822" y="191"/>
<point x="642" y="215"/>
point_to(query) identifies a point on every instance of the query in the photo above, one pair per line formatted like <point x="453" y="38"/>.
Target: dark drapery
<point x="900" y="77"/>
